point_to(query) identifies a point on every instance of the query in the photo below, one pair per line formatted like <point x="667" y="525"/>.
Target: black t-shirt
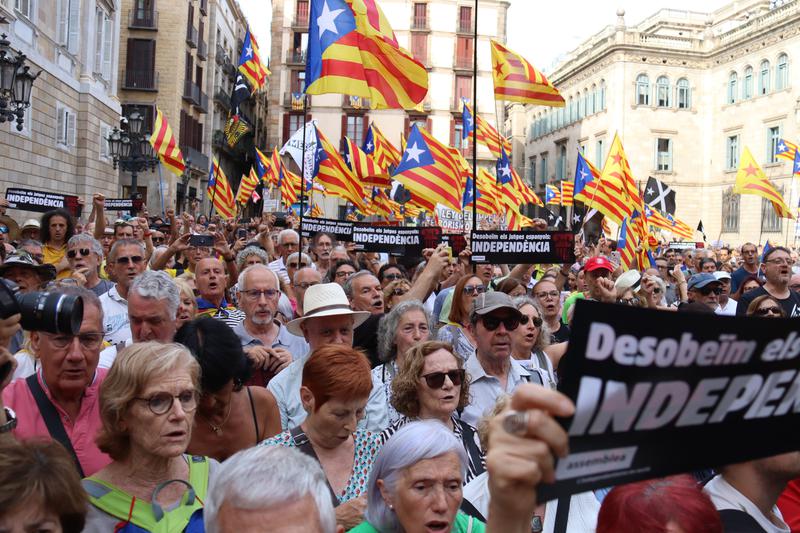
<point x="791" y="305"/>
<point x="365" y="337"/>
<point x="561" y="335"/>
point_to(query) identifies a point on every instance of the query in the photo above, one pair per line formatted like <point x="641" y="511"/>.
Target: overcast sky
<point x="540" y="31"/>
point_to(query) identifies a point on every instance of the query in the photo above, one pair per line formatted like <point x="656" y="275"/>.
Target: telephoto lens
<point x="42" y="311"/>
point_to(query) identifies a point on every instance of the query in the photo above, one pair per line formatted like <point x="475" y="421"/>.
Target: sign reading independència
<point x="659" y="393"/>
<point x="395" y="240"/>
<point x="41" y="201"/>
<point x="525" y="247"/>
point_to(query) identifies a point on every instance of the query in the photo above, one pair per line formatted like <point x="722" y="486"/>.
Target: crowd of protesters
<point x="232" y="376"/>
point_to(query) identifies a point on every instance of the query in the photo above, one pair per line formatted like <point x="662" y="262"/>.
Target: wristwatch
<point x="11" y="421"/>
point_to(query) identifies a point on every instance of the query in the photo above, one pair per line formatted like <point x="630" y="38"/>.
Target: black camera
<point x="42" y="311"/>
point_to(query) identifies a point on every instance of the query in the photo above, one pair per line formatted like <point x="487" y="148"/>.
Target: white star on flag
<point x="327" y="20"/>
<point x="650" y="191"/>
<point x="369" y="147"/>
<point x="576" y="217"/>
<point x="584" y="174"/>
<point x="413" y="152"/>
<point x="505" y="170"/>
<point x="248" y="52"/>
<point x="781" y="147"/>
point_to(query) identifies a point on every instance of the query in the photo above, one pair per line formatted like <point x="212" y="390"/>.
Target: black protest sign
<point x="395" y="240"/>
<point x="456" y="241"/>
<point x="660" y="393"/>
<point x="123" y="204"/>
<point x="522" y="247"/>
<point x="41" y="201"/>
<point x="342" y="230"/>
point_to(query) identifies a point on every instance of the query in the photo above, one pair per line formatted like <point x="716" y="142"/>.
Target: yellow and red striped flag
<point x="516" y="80"/>
<point x="382" y="151"/>
<point x="567" y="189"/>
<point x="352" y="50"/>
<point x="336" y="176"/>
<point x="316" y="211"/>
<point x="552" y="195"/>
<point x="513" y="191"/>
<point x="517" y="221"/>
<point x="750" y="179"/>
<point x="264" y="165"/>
<point x="429" y="169"/>
<point x="219" y="191"/>
<point x="365" y="167"/>
<point x="487" y="134"/>
<point x="380" y="204"/>
<point x="250" y="64"/>
<point x="630" y="235"/>
<point x="288" y="181"/>
<point x="488" y="202"/>
<point x="274" y="169"/>
<point x="679" y="228"/>
<point x="786" y="150"/>
<point x="164" y="144"/>
<point x="246" y="186"/>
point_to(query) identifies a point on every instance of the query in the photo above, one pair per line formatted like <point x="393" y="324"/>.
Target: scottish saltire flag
<point x="352" y="50"/>
<point x="250" y="62"/>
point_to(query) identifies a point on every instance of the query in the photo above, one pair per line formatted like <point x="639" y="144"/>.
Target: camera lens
<point x="51" y="312"/>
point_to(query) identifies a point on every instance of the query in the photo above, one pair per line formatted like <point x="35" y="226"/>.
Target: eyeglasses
<point x="254" y="294"/>
<point x="493" y="322"/>
<point x="474" y="289"/>
<point x="3" y="229"/>
<point x="135" y="259"/>
<point x="344" y="274"/>
<point x="88" y="340"/>
<point x="393" y="277"/>
<point x="161" y="402"/>
<point x="537" y="321"/>
<point x="544" y="295"/>
<point x="629" y="301"/>
<point x="73" y="253"/>
<point x="294" y="265"/>
<point x="399" y="292"/>
<point x="779" y="261"/>
<point x="435" y="380"/>
<point x="705" y="291"/>
<point x="764" y="311"/>
<point x="657" y="290"/>
<point x="305" y="285"/>
<point x="289" y="245"/>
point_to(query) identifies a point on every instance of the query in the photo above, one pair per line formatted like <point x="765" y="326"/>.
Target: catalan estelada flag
<point x="630" y="234"/>
<point x="352" y="50"/>
<point x="335" y="175"/>
<point x="365" y="167"/>
<point x="164" y="144"/>
<point x="382" y="151"/>
<point x="246" y="186"/>
<point x="316" y="211"/>
<point x="487" y="134"/>
<point x="429" y="170"/>
<point x="567" y="189"/>
<point x="488" y="201"/>
<point x="288" y="182"/>
<point x="219" y="191"/>
<point x="786" y="150"/>
<point x="585" y="173"/>
<point x="380" y="204"/>
<point x="517" y="221"/>
<point x="516" y="80"/>
<point x="681" y="229"/>
<point x="656" y="219"/>
<point x="250" y="64"/>
<point x="513" y="191"/>
<point x="750" y="179"/>
<point x="552" y="195"/>
<point x="262" y="169"/>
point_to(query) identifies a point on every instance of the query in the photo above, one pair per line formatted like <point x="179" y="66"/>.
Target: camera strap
<point x="51" y="419"/>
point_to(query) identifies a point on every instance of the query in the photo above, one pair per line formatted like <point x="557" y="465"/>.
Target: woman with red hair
<point x="336" y="385"/>
<point x="666" y="505"/>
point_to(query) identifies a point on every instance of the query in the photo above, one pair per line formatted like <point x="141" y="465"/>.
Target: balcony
<point x="294" y="57"/>
<point x="191" y="36"/>
<point x="204" y="7"/>
<point x="300" y="20"/>
<point x="199" y="160"/>
<point x="194" y="95"/>
<point x="222" y="98"/>
<point x="202" y="49"/>
<point x="465" y="26"/>
<point x="221" y="55"/>
<point x="355" y="103"/>
<point x="229" y="69"/>
<point x="140" y="80"/>
<point x="293" y="104"/>
<point x="141" y="19"/>
<point x="419" y="24"/>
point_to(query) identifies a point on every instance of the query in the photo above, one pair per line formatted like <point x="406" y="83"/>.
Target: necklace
<point x="218" y="429"/>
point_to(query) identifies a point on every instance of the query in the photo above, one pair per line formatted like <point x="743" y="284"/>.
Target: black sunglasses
<point x="523" y="320"/>
<point x="72" y="254"/>
<point x="492" y="322"/>
<point x="705" y="291"/>
<point x="135" y="259"/>
<point x="435" y="380"/>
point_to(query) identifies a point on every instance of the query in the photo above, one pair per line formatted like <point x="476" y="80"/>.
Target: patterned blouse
<point x="367" y="445"/>
<point x="468" y="435"/>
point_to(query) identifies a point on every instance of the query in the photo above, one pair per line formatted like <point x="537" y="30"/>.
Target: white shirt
<point x="485" y="389"/>
<point x="279" y="268"/>
<point x="725" y="496"/>
<point x="116" y="325"/>
<point x="729" y="309"/>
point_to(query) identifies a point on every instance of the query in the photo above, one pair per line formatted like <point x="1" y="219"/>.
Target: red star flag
<point x="750" y="179"/>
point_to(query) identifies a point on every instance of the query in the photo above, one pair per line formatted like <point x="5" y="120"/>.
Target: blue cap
<point x="698" y="281"/>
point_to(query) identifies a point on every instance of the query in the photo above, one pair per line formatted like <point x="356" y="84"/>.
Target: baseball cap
<point x="492" y="301"/>
<point x="599" y="262"/>
<point x="698" y="281"/>
<point x="721" y="274"/>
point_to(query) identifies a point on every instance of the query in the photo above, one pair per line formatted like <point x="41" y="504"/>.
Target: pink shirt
<point x="81" y="431"/>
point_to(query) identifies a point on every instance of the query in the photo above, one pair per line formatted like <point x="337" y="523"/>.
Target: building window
<point x="69" y="12"/>
<point x="419" y="47"/>
<point x="684" y="101"/>
<point x="561" y="161"/>
<point x="663" y="155"/>
<point x="145" y="110"/>
<point x="590" y="101"/>
<point x="465" y="19"/>
<point x="571" y="110"/>
<point x="458" y="141"/>
<point x="599" y="155"/>
<point x="770" y="221"/>
<point x="532" y="170"/>
<point x="602" y="93"/>
<point x="105" y="131"/>
<point x="103" y="44"/>
<point x="782" y="72"/>
<point x="298" y="81"/>
<point x="295" y="122"/>
<point x="732" y="152"/>
<point x="463" y="90"/>
<point x="581" y="108"/>
<point x="730" y="211"/>
<point x="24" y="7"/>
<point x="733" y="79"/>
<point x="662" y="92"/>
<point x="747" y="86"/>
<point x="763" y="78"/>
<point x="773" y="138"/>
<point x="420" y="16"/>
<point x="642" y="90"/>
<point x="354" y="125"/>
<point x="464" y="51"/>
<point x="301" y="13"/>
<point x="65" y="126"/>
<point x="543" y="167"/>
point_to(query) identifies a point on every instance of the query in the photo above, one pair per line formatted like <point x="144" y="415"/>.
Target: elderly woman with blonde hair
<point x="147" y="407"/>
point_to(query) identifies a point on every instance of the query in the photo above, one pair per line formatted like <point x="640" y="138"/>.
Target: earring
<point x="391" y="507"/>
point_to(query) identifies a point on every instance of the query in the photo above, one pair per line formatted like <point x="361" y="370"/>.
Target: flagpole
<point x="303" y="166"/>
<point x="474" y="119"/>
<point x="213" y="191"/>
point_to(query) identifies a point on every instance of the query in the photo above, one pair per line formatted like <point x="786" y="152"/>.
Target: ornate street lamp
<point x="16" y="83"/>
<point x="131" y="150"/>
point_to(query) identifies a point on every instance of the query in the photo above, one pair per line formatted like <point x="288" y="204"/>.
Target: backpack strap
<point x="304" y="445"/>
<point x="51" y="419"/>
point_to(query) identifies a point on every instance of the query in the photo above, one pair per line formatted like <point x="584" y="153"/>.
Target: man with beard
<point x="84" y="255"/>
<point x="749" y="266"/>
<point x="126" y="261"/>
<point x="777" y="265"/>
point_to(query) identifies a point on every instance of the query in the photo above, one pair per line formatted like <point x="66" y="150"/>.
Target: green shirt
<point x="463" y="524"/>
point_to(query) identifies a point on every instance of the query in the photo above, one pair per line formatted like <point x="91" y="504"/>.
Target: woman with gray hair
<point x="530" y="343"/>
<point x="421" y="454"/>
<point x="406" y="325"/>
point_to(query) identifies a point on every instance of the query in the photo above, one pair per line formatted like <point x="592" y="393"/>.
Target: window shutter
<point x="406" y="126"/>
<point x="74" y="26"/>
<point x="104" y="130"/>
<point x="98" y="41"/>
<point x="71" y="129"/>
<point x="343" y="133"/>
<point x="286" y="127"/>
<point x="60" y="135"/>
<point x="63" y="21"/>
<point x="108" y="45"/>
<point x="452" y="132"/>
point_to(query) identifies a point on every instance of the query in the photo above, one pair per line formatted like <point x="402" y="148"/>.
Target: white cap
<point x="721" y="274"/>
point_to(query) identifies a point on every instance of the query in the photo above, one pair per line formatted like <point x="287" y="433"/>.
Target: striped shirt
<point x="228" y="314"/>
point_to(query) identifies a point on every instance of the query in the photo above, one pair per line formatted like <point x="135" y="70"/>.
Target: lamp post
<point x="131" y="150"/>
<point x="16" y="83"/>
<point x="185" y="177"/>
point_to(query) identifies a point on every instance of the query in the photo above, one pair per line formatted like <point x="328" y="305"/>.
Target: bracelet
<point x="11" y="421"/>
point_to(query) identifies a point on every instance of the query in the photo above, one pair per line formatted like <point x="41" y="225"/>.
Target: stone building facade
<point x="686" y="92"/>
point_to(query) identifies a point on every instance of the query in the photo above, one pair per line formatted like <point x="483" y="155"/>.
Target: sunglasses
<point x="474" y="289"/>
<point x="135" y="259"/>
<point x="705" y="291"/>
<point x="72" y="254"/>
<point x="3" y="229"/>
<point x="399" y="292"/>
<point x="537" y="322"/>
<point x="764" y="311"/>
<point x="393" y="277"/>
<point x="493" y="322"/>
<point x="294" y="265"/>
<point x="435" y="380"/>
<point x="657" y="290"/>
